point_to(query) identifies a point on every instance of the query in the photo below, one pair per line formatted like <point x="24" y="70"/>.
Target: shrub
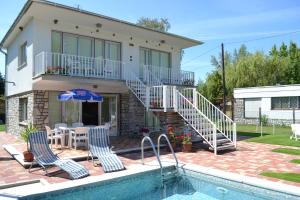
<point x="264" y="120"/>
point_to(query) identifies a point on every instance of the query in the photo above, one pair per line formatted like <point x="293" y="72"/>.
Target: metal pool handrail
<point x="154" y="150"/>
<point x="170" y="146"/>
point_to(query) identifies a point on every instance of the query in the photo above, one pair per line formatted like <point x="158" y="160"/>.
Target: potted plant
<point x="187" y="142"/>
<point x="28" y="156"/>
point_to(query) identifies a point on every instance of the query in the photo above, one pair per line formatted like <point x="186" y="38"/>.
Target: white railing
<point x="161" y="97"/>
<point x="73" y="65"/>
<point x="196" y="119"/>
<point x="150" y="79"/>
<point x="138" y="88"/>
<point x="223" y="123"/>
<point x="169" y="75"/>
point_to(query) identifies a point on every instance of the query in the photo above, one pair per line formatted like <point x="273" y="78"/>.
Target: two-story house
<point x="53" y="48"/>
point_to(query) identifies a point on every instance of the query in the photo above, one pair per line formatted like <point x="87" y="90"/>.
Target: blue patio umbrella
<point x="80" y="95"/>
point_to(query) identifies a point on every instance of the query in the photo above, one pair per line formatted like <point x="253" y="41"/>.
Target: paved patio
<point x="250" y="159"/>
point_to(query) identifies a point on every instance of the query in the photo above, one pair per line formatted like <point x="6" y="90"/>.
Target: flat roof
<point x="267" y="91"/>
<point x="29" y="3"/>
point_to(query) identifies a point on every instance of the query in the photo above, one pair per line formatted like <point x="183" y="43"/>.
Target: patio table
<point x="66" y="131"/>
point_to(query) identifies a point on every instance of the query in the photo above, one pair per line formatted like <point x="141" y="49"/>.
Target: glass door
<point x="144" y="60"/>
<point x="109" y="113"/>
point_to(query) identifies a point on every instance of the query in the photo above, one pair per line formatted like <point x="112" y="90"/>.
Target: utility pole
<point x="223" y="79"/>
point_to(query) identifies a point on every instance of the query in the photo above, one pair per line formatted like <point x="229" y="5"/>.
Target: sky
<point x="232" y="22"/>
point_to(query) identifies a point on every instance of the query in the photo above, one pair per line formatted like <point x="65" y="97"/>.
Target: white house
<point x="53" y="48"/>
<point x="276" y="102"/>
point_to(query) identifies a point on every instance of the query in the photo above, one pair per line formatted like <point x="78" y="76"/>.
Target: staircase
<point x="216" y="129"/>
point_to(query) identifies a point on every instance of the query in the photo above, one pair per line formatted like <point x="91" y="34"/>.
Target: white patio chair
<point x="78" y="135"/>
<point x="295" y="131"/>
<point x="77" y="124"/>
<point x="52" y="136"/>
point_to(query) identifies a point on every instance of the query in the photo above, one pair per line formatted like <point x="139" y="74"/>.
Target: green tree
<point x="161" y="24"/>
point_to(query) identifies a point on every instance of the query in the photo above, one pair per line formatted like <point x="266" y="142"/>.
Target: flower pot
<point x="28" y="156"/>
<point x="187" y="147"/>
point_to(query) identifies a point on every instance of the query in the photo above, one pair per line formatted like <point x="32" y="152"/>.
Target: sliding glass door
<point x="159" y="61"/>
<point x="109" y="113"/>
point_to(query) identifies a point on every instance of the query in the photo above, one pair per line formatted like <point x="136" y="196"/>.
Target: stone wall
<point x="37" y="111"/>
<point x="171" y="118"/>
<point x="40" y="109"/>
<point x="13" y="124"/>
<point x="131" y="113"/>
<point x="238" y="110"/>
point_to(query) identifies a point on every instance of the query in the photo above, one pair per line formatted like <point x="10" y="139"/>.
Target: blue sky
<point x="211" y="21"/>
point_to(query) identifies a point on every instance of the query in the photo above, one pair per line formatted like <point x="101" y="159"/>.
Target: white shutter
<point x="252" y="106"/>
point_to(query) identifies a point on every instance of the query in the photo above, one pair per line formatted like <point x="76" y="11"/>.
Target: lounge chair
<point x="296" y="131"/>
<point x="99" y="148"/>
<point x="46" y="158"/>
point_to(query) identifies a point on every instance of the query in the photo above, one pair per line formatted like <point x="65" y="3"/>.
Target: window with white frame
<point x="23" y="55"/>
<point x="23" y="102"/>
<point x="285" y="103"/>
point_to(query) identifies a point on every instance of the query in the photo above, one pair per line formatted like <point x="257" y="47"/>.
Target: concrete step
<point x="226" y="146"/>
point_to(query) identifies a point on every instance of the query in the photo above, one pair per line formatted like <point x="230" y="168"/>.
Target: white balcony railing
<point x="170" y="75"/>
<point x="73" y="65"/>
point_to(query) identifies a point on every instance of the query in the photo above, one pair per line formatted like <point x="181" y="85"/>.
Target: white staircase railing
<point x="138" y="88"/>
<point x="205" y="127"/>
<point x="223" y="123"/>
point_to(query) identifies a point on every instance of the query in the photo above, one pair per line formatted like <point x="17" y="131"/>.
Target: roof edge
<point x="29" y="2"/>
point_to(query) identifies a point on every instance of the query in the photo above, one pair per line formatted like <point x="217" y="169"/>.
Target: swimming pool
<point x="184" y="184"/>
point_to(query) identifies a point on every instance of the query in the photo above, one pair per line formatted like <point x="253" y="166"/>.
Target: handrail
<point x="154" y="150"/>
<point x="170" y="146"/>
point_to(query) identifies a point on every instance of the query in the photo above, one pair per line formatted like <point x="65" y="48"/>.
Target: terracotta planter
<point x="187" y="147"/>
<point x="28" y="156"/>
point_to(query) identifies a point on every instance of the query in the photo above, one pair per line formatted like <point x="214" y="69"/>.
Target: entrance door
<point x="90" y="113"/>
<point x="109" y="114"/>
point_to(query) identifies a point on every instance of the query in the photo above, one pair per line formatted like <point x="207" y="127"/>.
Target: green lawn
<point x="280" y="137"/>
<point x="287" y="151"/>
<point x="2" y="127"/>
<point x="283" y="175"/>
<point x="296" y="161"/>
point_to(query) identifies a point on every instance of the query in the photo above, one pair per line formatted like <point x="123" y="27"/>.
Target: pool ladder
<point x="157" y="153"/>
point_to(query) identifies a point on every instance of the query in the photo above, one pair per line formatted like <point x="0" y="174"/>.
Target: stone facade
<point x="37" y="111"/>
<point x="131" y="113"/>
<point x="171" y="118"/>
<point x="13" y="124"/>
<point x="40" y="109"/>
<point x="238" y="110"/>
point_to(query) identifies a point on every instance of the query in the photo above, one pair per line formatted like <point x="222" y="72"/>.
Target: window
<point x="284" y="103"/>
<point x="252" y="106"/>
<point x="23" y="109"/>
<point x="154" y="57"/>
<point x="22" y="55"/>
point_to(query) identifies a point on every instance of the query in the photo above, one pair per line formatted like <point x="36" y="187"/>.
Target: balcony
<point x="169" y="76"/>
<point x="90" y="67"/>
<point x="73" y="65"/>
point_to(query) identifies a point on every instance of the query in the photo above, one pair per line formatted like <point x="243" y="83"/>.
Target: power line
<point x="262" y="38"/>
<point x="243" y="42"/>
<point x="204" y="53"/>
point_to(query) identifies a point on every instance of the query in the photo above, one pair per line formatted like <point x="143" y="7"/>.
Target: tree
<point x="161" y="24"/>
<point x="245" y="69"/>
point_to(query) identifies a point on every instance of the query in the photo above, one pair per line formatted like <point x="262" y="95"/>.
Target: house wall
<point x="22" y="77"/>
<point x="266" y="93"/>
<point x="129" y="54"/>
<point x="13" y="125"/>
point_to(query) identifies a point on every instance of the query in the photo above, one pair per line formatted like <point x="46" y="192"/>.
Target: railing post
<point x="195" y="99"/>
<point x="147" y="97"/>
<point x="165" y="98"/>
<point x="215" y="139"/>
<point x="175" y="99"/>
<point x="234" y="134"/>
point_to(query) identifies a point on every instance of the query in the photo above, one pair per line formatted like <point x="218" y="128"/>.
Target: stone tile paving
<point x="250" y="160"/>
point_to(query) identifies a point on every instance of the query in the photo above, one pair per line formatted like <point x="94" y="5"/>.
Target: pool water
<point x="181" y="185"/>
